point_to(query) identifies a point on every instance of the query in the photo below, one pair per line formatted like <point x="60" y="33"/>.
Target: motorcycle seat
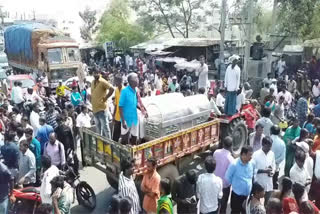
<point x="30" y="189"/>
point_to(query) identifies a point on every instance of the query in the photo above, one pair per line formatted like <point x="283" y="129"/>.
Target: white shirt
<point x="315" y="90"/>
<point x="281" y="66"/>
<point x="203" y="76"/>
<point x="308" y="165"/>
<point x="298" y="175"/>
<point x="267" y="124"/>
<point x="232" y="78"/>
<point x="209" y="190"/>
<point x="34" y="121"/>
<point x="17" y="95"/>
<point x="262" y="160"/>
<point x="34" y="97"/>
<point x="83" y="120"/>
<point x="287" y="97"/>
<point x="241" y="99"/>
<point x="220" y="100"/>
<point x="45" y="188"/>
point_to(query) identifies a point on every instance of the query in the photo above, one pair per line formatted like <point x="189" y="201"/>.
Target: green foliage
<point x="298" y="17"/>
<point x="262" y="21"/>
<point x="175" y="16"/>
<point x="115" y="26"/>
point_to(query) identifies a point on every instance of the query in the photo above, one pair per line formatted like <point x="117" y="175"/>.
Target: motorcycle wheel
<point x="85" y="195"/>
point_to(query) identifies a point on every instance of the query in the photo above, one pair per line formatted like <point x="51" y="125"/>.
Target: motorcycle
<point x="26" y="201"/>
<point x="84" y="193"/>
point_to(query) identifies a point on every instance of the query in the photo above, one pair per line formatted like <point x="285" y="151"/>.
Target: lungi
<point x="230" y="103"/>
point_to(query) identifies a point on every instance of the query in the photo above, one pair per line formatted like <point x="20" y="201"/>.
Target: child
<point x="165" y="202"/>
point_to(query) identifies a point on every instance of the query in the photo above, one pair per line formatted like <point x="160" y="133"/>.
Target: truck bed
<point x="105" y="154"/>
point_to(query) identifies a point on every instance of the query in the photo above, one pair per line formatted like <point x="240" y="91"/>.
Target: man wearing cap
<point x="60" y="91"/>
<point x="99" y="97"/>
<point x="308" y="164"/>
<point x="174" y="86"/>
<point x="232" y="83"/>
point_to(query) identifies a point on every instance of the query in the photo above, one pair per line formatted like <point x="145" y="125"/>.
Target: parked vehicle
<point x="26" y="80"/>
<point x="27" y="200"/>
<point x="175" y="139"/>
<point x="37" y="48"/>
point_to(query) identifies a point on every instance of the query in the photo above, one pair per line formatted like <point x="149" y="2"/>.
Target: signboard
<point x="108" y="48"/>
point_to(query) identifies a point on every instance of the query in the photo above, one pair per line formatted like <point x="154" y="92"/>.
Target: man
<point x="290" y="135"/>
<point x="270" y="97"/>
<point x="116" y="113"/>
<point x="55" y="150"/>
<point x="203" y="74"/>
<point x="49" y="172"/>
<point x="298" y="172"/>
<point x="43" y="133"/>
<point x="240" y="174"/>
<point x="150" y="186"/>
<point x="292" y="85"/>
<point x="184" y="189"/>
<point x="281" y="66"/>
<point x="209" y="189"/>
<point x="65" y="136"/>
<point x="127" y="187"/>
<point x="287" y="97"/>
<point x="265" y="166"/>
<point x="35" y="148"/>
<point x="316" y="89"/>
<point x="62" y="195"/>
<point x="265" y="121"/>
<point x="99" y="97"/>
<point x="128" y="111"/>
<point x="268" y="79"/>
<point x="75" y="97"/>
<point x="17" y="95"/>
<point x="220" y="100"/>
<point x="278" y="114"/>
<point x="33" y="97"/>
<point x="241" y="100"/>
<point x="174" y="86"/>
<point x="302" y="108"/>
<point x="60" y="92"/>
<point x="232" y="83"/>
<point x="83" y="119"/>
<point x="279" y="150"/>
<point x="11" y="154"/>
<point x="264" y="92"/>
<point x="34" y="118"/>
<point x="27" y="165"/>
<point x="223" y="158"/>
<point x="51" y="115"/>
<point x="255" y="138"/>
<point x="6" y="187"/>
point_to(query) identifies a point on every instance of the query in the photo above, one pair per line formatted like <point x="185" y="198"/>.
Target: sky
<point x="57" y="9"/>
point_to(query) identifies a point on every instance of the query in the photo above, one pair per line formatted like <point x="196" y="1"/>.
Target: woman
<point x="254" y="204"/>
<point x="286" y="190"/>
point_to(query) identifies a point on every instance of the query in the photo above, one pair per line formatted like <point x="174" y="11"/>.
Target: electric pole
<point x="222" y="67"/>
<point x="249" y="23"/>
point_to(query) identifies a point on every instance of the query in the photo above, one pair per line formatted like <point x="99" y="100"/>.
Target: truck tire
<point x="238" y="130"/>
<point x="113" y="183"/>
<point x="169" y="171"/>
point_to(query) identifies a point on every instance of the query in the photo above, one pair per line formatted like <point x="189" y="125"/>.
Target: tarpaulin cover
<point x="21" y="41"/>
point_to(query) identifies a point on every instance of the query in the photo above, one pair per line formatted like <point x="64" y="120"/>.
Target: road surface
<point x="97" y="180"/>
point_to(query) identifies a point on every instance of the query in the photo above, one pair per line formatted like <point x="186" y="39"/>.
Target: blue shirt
<point x="76" y="98"/>
<point x="128" y="102"/>
<point x="309" y="127"/>
<point x="316" y="110"/>
<point x="43" y="135"/>
<point x="240" y="177"/>
<point x="278" y="148"/>
<point x="10" y="153"/>
<point x="35" y="148"/>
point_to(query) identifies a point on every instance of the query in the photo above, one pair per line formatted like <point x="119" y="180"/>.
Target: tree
<point x="296" y="17"/>
<point x="181" y="16"/>
<point x="115" y="26"/>
<point x="88" y="28"/>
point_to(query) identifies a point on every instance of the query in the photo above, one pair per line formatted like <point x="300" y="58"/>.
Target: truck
<point x="178" y="135"/>
<point x="37" y="48"/>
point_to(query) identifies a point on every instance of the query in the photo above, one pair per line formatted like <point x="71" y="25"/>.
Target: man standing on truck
<point x="128" y="110"/>
<point x="99" y="97"/>
<point x="150" y="186"/>
<point x="232" y="84"/>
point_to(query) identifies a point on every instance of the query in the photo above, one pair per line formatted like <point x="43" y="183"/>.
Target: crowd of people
<point x="40" y="132"/>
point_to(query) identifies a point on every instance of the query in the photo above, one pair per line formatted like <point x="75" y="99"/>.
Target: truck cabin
<point x="60" y="61"/>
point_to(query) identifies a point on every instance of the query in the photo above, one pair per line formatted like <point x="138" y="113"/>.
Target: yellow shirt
<point x="98" y="94"/>
<point x="60" y="91"/>
<point x="116" y="103"/>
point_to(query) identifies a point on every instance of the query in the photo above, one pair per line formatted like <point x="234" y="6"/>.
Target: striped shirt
<point x="128" y="188"/>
